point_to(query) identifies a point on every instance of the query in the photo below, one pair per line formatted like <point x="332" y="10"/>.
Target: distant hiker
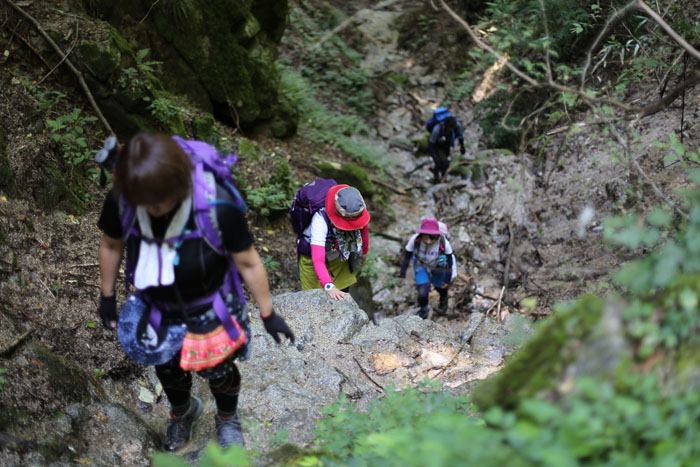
<point x="433" y="263"/>
<point x="444" y="129"/>
<point x="176" y="213"/>
<point x="331" y="223"/>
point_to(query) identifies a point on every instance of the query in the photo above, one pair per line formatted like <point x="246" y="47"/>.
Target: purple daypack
<point x="308" y="200"/>
<point x="210" y="168"/>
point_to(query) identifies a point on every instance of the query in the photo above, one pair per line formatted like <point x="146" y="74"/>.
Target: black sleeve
<point x="233" y="225"/>
<point x="406" y="261"/>
<point x="110" y="222"/>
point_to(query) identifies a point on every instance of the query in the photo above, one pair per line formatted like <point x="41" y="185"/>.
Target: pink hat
<point x="429" y="226"/>
<point x="345" y="208"/>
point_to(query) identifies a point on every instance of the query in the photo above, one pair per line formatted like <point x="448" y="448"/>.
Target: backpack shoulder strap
<point x="127" y="218"/>
<point x="204" y="198"/>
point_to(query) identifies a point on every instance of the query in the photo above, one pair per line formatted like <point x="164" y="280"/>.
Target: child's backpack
<point x="308" y="200"/>
<point x="439" y="115"/>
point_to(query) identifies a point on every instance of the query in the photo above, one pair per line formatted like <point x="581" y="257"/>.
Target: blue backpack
<point x="308" y="200"/>
<point x="439" y="115"/>
<point x="210" y="168"/>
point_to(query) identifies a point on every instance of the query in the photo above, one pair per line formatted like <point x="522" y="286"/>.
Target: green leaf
<point x="146" y="396"/>
<point x="161" y="459"/>
<point x="660" y="217"/>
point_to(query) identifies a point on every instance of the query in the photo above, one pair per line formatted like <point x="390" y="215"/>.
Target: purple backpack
<point x="210" y="168"/>
<point x="307" y="201"/>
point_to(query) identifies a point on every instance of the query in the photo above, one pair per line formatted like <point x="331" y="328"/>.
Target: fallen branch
<point x="451" y="361"/>
<point x="418" y="167"/>
<point x="75" y="42"/>
<point x="511" y="242"/>
<point x="368" y="376"/>
<point x="68" y="63"/>
<point x="388" y="236"/>
<point x="389" y="186"/>
<point x="500" y="298"/>
<point x="87" y="265"/>
<point x="15" y="342"/>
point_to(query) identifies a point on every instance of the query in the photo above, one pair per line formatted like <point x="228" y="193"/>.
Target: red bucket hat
<point x="429" y="226"/>
<point x="345" y="208"/>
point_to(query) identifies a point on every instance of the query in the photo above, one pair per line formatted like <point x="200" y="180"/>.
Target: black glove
<point x="275" y="324"/>
<point x="108" y="310"/>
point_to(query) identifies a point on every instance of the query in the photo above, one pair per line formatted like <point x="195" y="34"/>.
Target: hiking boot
<point x="423" y="312"/>
<point x="442" y="306"/>
<point x="228" y="431"/>
<point x="180" y="428"/>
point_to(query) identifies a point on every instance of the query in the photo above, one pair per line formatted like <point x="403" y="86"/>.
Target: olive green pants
<point x="339" y="271"/>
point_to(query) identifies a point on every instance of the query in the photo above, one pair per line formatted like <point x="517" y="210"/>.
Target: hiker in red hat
<point x="339" y="239"/>
<point x="433" y="263"/>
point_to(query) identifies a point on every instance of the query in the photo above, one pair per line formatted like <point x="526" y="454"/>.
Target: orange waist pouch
<point x="200" y="351"/>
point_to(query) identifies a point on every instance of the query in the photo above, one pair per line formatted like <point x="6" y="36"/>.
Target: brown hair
<point x="152" y="168"/>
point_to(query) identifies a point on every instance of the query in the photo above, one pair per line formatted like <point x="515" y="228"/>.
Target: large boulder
<point x="219" y="54"/>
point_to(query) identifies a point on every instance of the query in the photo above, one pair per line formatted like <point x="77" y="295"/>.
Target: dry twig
<point x="15" y="342"/>
<point x="368" y="376"/>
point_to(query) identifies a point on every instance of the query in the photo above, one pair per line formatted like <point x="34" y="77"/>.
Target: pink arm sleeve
<point x="318" y="258"/>
<point x="365" y="239"/>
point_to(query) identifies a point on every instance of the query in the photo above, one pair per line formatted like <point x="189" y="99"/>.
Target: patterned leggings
<point x="177" y="385"/>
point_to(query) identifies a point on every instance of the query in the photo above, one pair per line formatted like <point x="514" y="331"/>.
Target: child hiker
<point x="433" y="263"/>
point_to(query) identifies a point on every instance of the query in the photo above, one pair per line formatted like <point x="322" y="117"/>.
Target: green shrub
<point x="322" y="125"/>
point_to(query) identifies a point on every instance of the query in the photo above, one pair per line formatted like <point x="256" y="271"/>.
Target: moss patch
<point x="539" y="365"/>
<point x="68" y="380"/>
<point x="349" y="174"/>
<point x="204" y="127"/>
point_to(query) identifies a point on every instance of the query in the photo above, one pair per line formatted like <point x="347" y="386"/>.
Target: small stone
<point x="300" y="347"/>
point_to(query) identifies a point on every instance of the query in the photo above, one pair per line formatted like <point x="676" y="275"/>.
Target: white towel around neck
<point x="155" y="265"/>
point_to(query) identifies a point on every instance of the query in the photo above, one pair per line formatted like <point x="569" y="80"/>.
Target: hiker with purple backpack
<point x="176" y="213"/>
<point x="433" y="263"/>
<point x="331" y="223"/>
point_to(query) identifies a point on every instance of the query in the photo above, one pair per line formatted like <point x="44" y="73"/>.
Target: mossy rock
<point x="286" y="118"/>
<point x="68" y="380"/>
<point x="474" y="171"/>
<point x="102" y="57"/>
<point x="204" y="129"/>
<point x="219" y="54"/>
<point x="422" y="143"/>
<point x="349" y="174"/>
<point x="54" y="193"/>
<point x="539" y="365"/>
<point x="7" y="177"/>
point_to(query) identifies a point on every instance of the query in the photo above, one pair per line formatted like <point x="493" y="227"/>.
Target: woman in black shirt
<point x="182" y="281"/>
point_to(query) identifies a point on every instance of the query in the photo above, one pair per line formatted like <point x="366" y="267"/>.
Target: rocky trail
<point x="71" y="395"/>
